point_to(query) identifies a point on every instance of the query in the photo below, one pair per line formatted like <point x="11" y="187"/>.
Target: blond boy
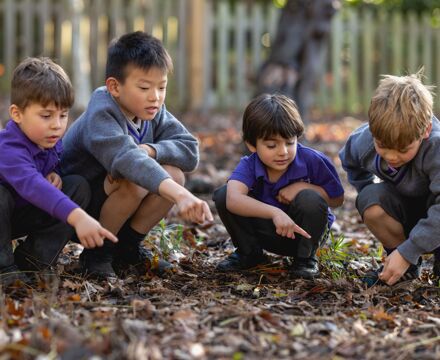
<point x="400" y="146"/>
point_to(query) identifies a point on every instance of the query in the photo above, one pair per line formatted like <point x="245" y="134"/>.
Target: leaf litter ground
<point x="196" y="312"/>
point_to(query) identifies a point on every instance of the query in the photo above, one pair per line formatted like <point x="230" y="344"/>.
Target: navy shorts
<point x="406" y="210"/>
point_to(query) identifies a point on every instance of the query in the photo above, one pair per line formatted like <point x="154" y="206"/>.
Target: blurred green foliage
<point x="403" y="5"/>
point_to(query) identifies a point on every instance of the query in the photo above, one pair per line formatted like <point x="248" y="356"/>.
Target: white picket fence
<point x="217" y="48"/>
<point x="76" y="34"/>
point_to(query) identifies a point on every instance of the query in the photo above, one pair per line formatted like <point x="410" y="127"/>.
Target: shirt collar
<point x="296" y="170"/>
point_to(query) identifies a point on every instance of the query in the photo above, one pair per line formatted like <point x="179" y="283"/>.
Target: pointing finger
<point x="107" y="234"/>
<point x="302" y="232"/>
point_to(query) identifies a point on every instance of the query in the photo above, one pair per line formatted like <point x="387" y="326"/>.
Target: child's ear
<point x="15" y="113"/>
<point x="251" y="147"/>
<point x="428" y="131"/>
<point x="112" y="86"/>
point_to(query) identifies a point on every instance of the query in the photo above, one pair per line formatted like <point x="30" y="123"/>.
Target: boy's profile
<point x="400" y="145"/>
<point x="34" y="199"/>
<point x="282" y="189"/>
<point x="134" y="154"/>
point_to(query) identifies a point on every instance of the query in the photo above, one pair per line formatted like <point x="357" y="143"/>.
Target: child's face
<point x="276" y="153"/>
<point x="43" y="125"/>
<point x="143" y="92"/>
<point x="399" y="157"/>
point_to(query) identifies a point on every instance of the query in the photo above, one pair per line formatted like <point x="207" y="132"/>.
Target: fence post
<point x="196" y="34"/>
<point x="9" y="34"/>
<point x="80" y="58"/>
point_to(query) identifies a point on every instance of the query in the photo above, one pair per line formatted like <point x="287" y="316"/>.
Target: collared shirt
<point x="23" y="168"/>
<point x="137" y="128"/>
<point x="309" y="166"/>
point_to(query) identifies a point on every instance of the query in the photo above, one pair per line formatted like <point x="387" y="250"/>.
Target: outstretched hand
<point x="89" y="231"/>
<point x="286" y="227"/>
<point x="394" y="267"/>
<point x="193" y="209"/>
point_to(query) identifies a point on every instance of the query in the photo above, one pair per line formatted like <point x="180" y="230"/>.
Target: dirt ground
<point x="196" y="312"/>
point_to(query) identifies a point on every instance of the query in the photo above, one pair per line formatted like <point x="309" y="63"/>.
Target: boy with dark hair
<point x="400" y="146"/>
<point x="134" y="154"/>
<point x="34" y="200"/>
<point x="281" y="189"/>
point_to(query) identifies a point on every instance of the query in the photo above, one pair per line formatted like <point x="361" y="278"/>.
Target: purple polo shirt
<point x="309" y="166"/>
<point x="23" y="168"/>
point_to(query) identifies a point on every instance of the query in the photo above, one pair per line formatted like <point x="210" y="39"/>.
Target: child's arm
<point x="89" y="231"/>
<point x="30" y="184"/>
<point x="173" y="143"/>
<point x="351" y="155"/>
<point x="238" y="202"/>
<point x="323" y="178"/>
<point x="189" y="206"/>
<point x="287" y="194"/>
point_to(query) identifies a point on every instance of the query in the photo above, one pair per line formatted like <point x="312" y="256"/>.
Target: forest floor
<point x="196" y="312"/>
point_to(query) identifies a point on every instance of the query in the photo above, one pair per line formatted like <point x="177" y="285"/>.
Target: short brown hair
<point x="271" y="114"/>
<point x="400" y="110"/>
<point x="40" y="80"/>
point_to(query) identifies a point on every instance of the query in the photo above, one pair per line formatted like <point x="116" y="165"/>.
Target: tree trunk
<point x="296" y="59"/>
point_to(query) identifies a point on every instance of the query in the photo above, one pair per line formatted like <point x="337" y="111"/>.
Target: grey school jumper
<point x="99" y="143"/>
<point x="420" y="177"/>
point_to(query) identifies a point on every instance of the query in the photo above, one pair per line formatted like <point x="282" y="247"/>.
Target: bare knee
<point x="130" y="190"/>
<point x="176" y="174"/>
<point x="374" y="215"/>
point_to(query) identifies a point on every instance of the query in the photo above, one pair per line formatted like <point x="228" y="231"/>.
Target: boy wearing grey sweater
<point x="134" y="154"/>
<point x="399" y="146"/>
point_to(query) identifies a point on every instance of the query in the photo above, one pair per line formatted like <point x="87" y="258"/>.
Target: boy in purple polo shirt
<point x="281" y="189"/>
<point x="34" y="200"/>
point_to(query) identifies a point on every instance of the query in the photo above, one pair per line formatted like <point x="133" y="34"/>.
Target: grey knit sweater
<point x="419" y="177"/>
<point x="99" y="143"/>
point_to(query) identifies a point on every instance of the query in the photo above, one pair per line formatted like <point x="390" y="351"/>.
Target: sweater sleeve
<point x="174" y="144"/>
<point x="350" y="156"/>
<point x="425" y="236"/>
<point x="20" y="172"/>
<point x="118" y="153"/>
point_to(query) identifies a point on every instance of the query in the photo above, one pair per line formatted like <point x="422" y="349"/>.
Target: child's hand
<point x="286" y="227"/>
<point x="394" y="267"/>
<point x="288" y="193"/>
<point x="55" y="180"/>
<point x="89" y="231"/>
<point x="193" y="209"/>
<point x="150" y="150"/>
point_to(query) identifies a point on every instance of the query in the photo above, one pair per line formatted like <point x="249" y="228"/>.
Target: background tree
<point x="296" y="58"/>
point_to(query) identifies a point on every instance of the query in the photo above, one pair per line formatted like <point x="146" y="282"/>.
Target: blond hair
<point x="400" y="110"/>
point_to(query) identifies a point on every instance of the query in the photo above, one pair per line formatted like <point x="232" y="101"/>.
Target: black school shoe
<point x="304" y="268"/>
<point x="11" y="274"/>
<point x="372" y="277"/>
<point x="237" y="262"/>
<point x="135" y="258"/>
<point x="95" y="266"/>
